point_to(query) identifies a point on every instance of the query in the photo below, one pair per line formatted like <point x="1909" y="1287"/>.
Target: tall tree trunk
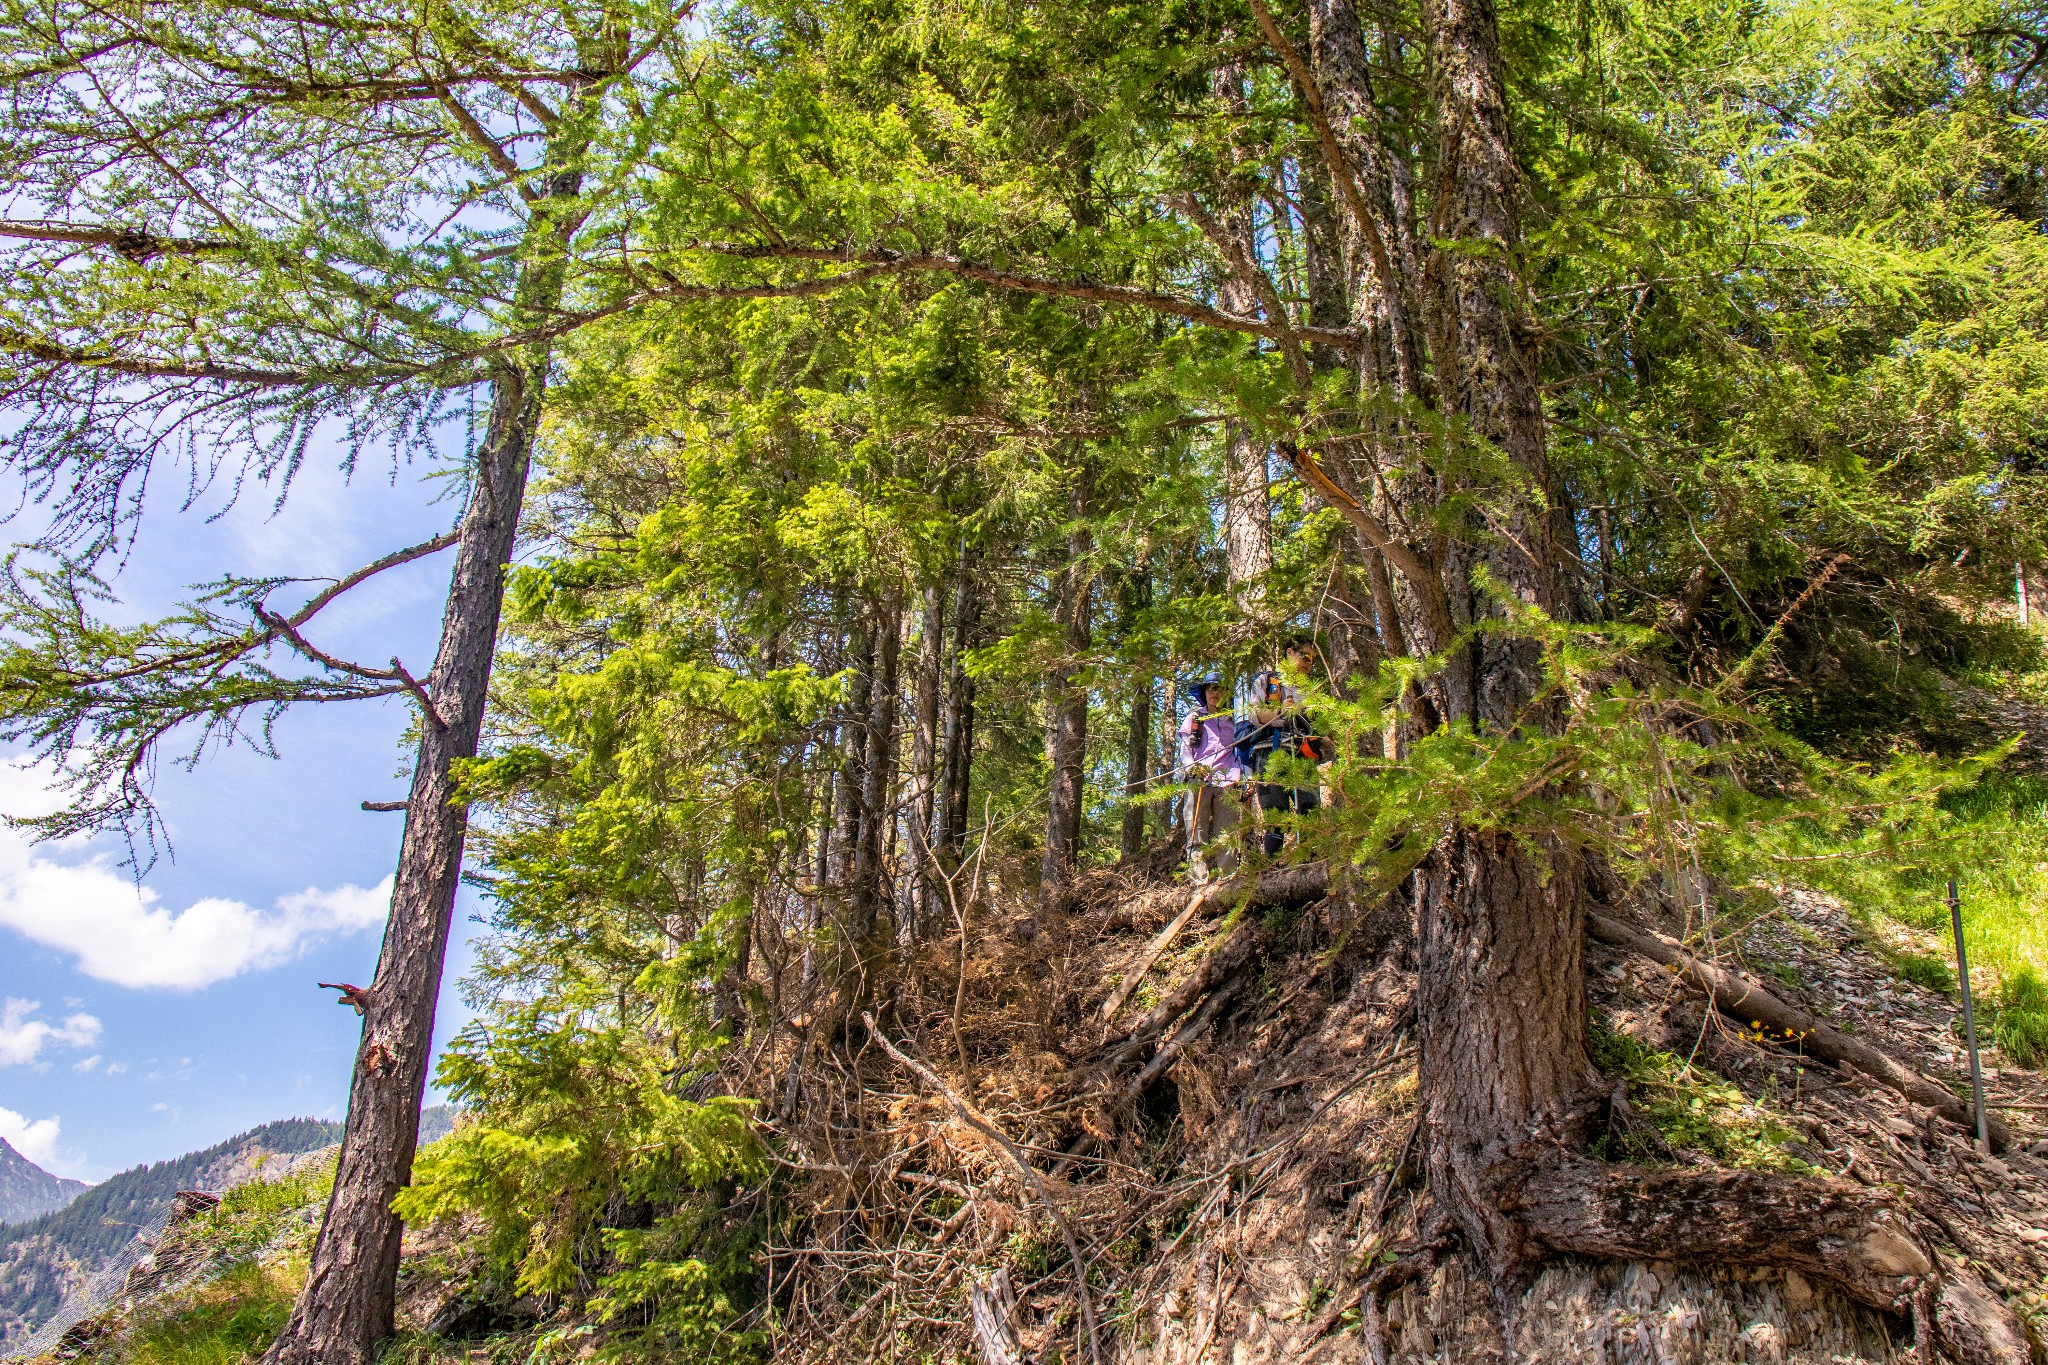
<point x="1067" y="721"/>
<point x="847" y="824"/>
<point x="1137" y="727"/>
<point x="1247" y="492"/>
<point x="1505" y="1071"/>
<point x="1247" y="496"/>
<point x="957" y="763"/>
<point x="878" y="779"/>
<point x="921" y="891"/>
<point x="346" y="1307"/>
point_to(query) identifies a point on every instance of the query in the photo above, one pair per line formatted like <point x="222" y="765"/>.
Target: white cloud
<point x="35" y="1140"/>
<point x="120" y="932"/>
<point x="22" y="1037"/>
<point x="86" y="1067"/>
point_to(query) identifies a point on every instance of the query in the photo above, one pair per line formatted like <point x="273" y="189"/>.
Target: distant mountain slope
<point x="40" y="1259"/>
<point x="28" y="1191"/>
<point x="437" y="1122"/>
<point x="44" y="1258"/>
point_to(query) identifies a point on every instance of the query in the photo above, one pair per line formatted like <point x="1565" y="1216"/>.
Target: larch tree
<point x="241" y="229"/>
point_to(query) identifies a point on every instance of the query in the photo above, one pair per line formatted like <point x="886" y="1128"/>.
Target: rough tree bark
<point x="878" y="775"/>
<point x="1137" y="728"/>
<point x="1066" y="739"/>
<point x="1505" y="1072"/>
<point x="347" y="1305"/>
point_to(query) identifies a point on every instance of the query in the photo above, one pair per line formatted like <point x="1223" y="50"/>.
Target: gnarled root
<point x="1974" y="1324"/>
<point x="1858" y="1238"/>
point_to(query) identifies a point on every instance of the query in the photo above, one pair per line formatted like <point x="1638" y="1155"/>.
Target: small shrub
<point x="2019" y="1018"/>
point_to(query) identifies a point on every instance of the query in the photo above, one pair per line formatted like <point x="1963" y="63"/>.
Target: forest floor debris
<point x="1233" y="1208"/>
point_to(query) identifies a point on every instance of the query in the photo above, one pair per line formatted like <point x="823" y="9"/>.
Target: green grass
<point x="260" y="1232"/>
<point x="2019" y="1017"/>
<point x="232" y="1320"/>
<point x="2005" y="914"/>
<point x="1925" y="969"/>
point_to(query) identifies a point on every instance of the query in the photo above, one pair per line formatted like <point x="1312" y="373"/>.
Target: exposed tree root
<point x="1974" y="1324"/>
<point x="1858" y="1238"/>
<point x="1746" y="1002"/>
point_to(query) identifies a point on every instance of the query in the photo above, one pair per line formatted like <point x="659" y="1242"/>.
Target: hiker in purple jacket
<point x="1208" y="759"/>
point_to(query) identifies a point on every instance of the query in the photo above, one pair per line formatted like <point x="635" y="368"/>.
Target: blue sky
<point x="137" y="1023"/>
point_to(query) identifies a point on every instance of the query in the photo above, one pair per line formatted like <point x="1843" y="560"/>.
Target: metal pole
<point x="1955" y="915"/>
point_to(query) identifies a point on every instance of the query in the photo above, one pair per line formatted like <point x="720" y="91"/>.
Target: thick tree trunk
<point x="346" y="1307"/>
<point x="1504" y="1073"/>
<point x="1505" y="1077"/>
<point x="1067" y="722"/>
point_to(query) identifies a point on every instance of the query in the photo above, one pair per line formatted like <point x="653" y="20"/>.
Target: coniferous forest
<point x="1590" y="461"/>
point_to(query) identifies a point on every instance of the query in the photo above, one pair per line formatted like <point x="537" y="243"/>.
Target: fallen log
<point x="1158" y="945"/>
<point x="1747" y="1003"/>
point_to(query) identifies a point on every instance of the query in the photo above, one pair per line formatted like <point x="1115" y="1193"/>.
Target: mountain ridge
<point x="42" y="1258"/>
<point x="28" y="1191"/>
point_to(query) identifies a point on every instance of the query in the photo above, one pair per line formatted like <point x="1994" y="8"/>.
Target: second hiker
<point x="1280" y="725"/>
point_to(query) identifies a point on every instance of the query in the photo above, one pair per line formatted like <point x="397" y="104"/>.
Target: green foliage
<point x="1691" y="1107"/>
<point x="679" y="1289"/>
<point x="2019" y="1018"/>
<point x="568" y="1140"/>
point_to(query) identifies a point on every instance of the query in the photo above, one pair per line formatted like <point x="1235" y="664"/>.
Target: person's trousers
<point x="1212" y="814"/>
<point x="1299" y="800"/>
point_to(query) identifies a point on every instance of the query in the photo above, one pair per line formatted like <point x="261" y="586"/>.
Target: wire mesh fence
<point x="147" y="1265"/>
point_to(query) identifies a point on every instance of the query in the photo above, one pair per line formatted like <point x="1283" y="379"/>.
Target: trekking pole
<point x="1955" y="915"/>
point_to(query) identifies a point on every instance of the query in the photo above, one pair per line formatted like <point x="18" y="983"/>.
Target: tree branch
<point x="134" y="243"/>
<point x="1171" y="304"/>
<point x="419" y="694"/>
<point x="390" y="561"/>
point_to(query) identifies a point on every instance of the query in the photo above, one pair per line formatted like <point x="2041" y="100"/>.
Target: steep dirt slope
<point x="1229" y="1154"/>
